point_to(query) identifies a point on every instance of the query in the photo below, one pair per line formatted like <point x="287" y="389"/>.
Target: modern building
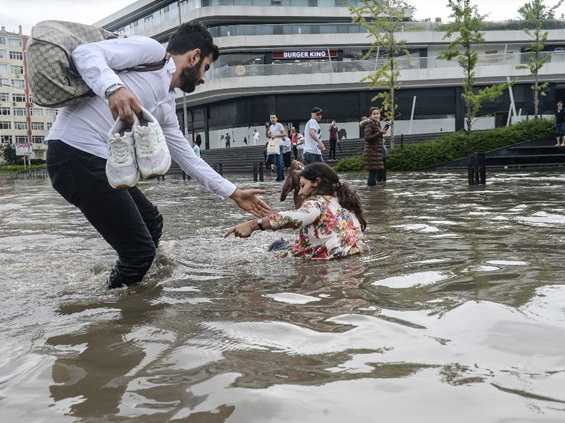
<point x="287" y="56"/>
<point x="22" y="123"/>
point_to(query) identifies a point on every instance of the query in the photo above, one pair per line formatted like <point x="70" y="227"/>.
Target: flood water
<point x="457" y="314"/>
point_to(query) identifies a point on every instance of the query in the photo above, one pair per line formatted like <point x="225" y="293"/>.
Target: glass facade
<point x="168" y="14"/>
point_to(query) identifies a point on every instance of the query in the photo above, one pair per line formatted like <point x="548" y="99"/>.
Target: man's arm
<point x="197" y="168"/>
<point x="97" y="62"/>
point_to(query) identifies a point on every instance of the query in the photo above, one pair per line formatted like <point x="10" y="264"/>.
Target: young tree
<point x="10" y="154"/>
<point x="535" y="12"/>
<point x="383" y="21"/>
<point x="467" y="25"/>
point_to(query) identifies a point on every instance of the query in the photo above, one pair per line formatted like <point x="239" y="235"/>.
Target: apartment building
<point x="22" y="124"/>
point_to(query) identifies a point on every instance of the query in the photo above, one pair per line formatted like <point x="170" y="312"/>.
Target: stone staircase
<point x="534" y="154"/>
<point x="241" y="159"/>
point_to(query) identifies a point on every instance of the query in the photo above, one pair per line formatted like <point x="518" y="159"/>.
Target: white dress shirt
<point x="85" y="125"/>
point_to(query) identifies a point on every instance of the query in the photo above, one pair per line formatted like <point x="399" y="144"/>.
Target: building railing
<point x="333" y="66"/>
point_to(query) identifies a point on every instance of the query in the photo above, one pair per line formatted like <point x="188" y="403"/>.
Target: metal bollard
<point x="401" y="140"/>
<point x="472" y="169"/>
<point x="254" y="172"/>
<point x="482" y="165"/>
<point x="220" y="169"/>
<point x="261" y="176"/>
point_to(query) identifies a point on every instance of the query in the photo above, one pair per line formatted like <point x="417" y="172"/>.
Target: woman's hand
<point x="248" y="200"/>
<point x="243" y="230"/>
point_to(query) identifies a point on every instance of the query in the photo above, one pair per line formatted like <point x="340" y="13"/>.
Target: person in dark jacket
<point x="373" y="154"/>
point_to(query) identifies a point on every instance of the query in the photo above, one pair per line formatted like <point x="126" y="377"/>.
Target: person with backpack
<point x="80" y="153"/>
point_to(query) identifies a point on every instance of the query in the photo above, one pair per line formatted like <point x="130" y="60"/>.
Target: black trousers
<point x="126" y="219"/>
<point x="333" y="144"/>
<point x="376" y="176"/>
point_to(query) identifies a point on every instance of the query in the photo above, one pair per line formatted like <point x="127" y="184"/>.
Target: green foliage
<point x="9" y="154"/>
<point x="350" y="164"/>
<point x="467" y="24"/>
<point x="535" y="13"/>
<point x="456" y="146"/>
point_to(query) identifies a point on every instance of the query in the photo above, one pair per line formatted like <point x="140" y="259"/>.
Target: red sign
<point x="304" y="54"/>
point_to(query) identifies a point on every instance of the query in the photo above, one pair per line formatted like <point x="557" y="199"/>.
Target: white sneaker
<point x="121" y="168"/>
<point x="152" y="153"/>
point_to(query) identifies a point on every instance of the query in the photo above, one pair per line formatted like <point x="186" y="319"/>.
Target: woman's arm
<point x="373" y="133"/>
<point x="305" y="215"/>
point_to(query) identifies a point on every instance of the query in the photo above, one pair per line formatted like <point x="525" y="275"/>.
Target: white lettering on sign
<point x="304" y="54"/>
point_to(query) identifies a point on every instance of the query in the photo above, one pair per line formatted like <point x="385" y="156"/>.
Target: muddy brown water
<point x="456" y="314"/>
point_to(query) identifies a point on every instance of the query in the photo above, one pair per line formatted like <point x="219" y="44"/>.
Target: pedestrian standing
<point x="333" y="139"/>
<point x="373" y="153"/>
<point x="313" y="146"/>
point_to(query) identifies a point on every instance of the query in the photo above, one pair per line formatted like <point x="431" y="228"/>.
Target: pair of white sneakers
<point x="136" y="151"/>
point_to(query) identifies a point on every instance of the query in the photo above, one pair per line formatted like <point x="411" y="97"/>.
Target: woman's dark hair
<point x="330" y="185"/>
<point x="374" y="108"/>
<point x="190" y="36"/>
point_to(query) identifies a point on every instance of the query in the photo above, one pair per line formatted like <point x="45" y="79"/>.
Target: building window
<point x="36" y="112"/>
<point x="4" y="97"/>
<point x="5" y="82"/>
<point x="15" y="42"/>
<point x="19" y="97"/>
<point x="22" y="126"/>
<point x="18" y="70"/>
<point x="5" y="124"/>
<point x="49" y="125"/>
<point x="6" y="139"/>
<point x="3" y="68"/>
<point x="37" y="139"/>
<point x="19" y="111"/>
<point x="6" y="111"/>
<point x="18" y="83"/>
<point x="38" y="126"/>
<point x="16" y="55"/>
<point x="2" y="40"/>
<point x="21" y="139"/>
<point x="2" y="54"/>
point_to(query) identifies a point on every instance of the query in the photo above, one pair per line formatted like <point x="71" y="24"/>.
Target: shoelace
<point x="145" y="144"/>
<point x="120" y="149"/>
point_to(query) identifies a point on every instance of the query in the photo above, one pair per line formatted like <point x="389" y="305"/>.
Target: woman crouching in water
<point x="330" y="219"/>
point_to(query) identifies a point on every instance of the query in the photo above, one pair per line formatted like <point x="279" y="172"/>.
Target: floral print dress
<point x="327" y="230"/>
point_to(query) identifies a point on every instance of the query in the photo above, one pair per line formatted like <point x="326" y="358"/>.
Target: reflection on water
<point x="457" y="310"/>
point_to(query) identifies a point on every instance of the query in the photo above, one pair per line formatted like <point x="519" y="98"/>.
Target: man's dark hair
<point x="190" y="36"/>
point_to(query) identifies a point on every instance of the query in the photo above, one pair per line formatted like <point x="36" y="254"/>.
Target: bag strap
<point x="148" y="67"/>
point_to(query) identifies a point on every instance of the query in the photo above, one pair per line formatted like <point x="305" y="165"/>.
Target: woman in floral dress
<point x="330" y="220"/>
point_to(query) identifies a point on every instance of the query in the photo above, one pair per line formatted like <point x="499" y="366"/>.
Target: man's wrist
<point x="113" y="88"/>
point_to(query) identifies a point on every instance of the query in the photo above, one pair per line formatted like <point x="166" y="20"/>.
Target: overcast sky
<point x="27" y="12"/>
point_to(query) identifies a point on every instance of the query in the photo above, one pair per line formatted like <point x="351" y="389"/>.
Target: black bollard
<point x="221" y="170"/>
<point x="472" y="169"/>
<point x="401" y="140"/>
<point x="261" y="176"/>
<point x="482" y="165"/>
<point x="254" y="172"/>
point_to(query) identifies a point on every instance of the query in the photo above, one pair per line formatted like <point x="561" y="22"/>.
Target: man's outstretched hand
<point x="248" y="200"/>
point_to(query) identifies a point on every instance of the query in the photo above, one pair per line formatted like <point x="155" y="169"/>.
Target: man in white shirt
<point x="313" y="145"/>
<point x="77" y="148"/>
<point x="255" y="136"/>
<point x="276" y="130"/>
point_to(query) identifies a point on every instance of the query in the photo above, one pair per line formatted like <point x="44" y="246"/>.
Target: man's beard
<point x="189" y="78"/>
